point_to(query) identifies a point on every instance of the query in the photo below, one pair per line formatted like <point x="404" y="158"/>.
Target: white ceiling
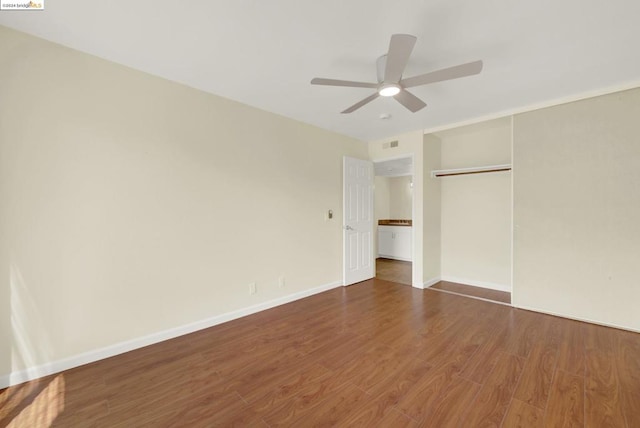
<point x="394" y="167"/>
<point x="264" y="53"/>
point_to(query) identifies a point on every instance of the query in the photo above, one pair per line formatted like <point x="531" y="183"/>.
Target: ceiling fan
<point x="390" y="82"/>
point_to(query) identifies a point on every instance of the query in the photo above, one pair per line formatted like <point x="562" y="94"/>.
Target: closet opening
<point x="475" y="235"/>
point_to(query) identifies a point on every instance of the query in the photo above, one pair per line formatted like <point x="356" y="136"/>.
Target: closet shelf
<point x="474" y="170"/>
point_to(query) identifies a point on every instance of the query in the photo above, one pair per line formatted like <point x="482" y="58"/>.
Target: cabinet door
<point x="394" y="242"/>
<point x="385" y="243"/>
<point x="402" y="243"/>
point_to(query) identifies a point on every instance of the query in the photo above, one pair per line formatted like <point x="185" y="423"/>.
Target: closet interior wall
<point x="476" y="215"/>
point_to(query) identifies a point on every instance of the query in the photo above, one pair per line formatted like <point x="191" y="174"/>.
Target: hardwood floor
<point x="372" y="354"/>
<point x="394" y="270"/>
<point x="400" y="271"/>
<point x="468" y="290"/>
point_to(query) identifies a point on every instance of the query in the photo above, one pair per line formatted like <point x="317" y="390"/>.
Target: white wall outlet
<point x="252" y="288"/>
<point x="281" y="282"/>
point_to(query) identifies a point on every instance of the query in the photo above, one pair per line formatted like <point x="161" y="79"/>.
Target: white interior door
<point x="358" y="221"/>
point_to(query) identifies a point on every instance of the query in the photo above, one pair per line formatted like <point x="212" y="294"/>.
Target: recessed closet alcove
<point x="473" y="176"/>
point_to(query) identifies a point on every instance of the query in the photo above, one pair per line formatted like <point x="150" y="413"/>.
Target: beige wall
<point x="476" y="209"/>
<point x="131" y="205"/>
<point x="408" y="144"/>
<point x="400" y="197"/>
<point x="432" y="210"/>
<point x="577" y="210"/>
<point x="393" y="197"/>
<point x="382" y="198"/>
<point x="381" y="205"/>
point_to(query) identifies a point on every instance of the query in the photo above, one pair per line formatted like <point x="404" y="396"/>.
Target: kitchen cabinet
<point x="394" y="242"/>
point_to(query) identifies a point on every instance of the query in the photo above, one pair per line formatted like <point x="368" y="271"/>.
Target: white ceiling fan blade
<point x="334" y="82"/>
<point x="410" y="101"/>
<point x="450" y="73"/>
<point x="400" y="49"/>
<point x="357" y="105"/>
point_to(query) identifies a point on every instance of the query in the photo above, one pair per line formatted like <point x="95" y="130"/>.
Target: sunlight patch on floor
<point x="44" y="409"/>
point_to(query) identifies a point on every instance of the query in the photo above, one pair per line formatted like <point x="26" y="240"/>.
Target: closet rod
<point x="466" y="171"/>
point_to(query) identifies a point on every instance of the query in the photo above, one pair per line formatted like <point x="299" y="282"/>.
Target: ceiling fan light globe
<point x="389" y="90"/>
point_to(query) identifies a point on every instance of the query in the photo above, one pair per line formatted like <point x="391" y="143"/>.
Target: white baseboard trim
<point x="47" y="369"/>
<point x="474" y="283"/>
<point x="433" y="281"/>
<point x="590" y="321"/>
<point x="404" y="259"/>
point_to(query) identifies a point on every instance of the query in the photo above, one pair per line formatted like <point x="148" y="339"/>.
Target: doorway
<point x="393" y="211"/>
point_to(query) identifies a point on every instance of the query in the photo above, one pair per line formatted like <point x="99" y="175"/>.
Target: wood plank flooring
<point x="372" y="354"/>
<point x="394" y="270"/>
<point x="400" y="271"/>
